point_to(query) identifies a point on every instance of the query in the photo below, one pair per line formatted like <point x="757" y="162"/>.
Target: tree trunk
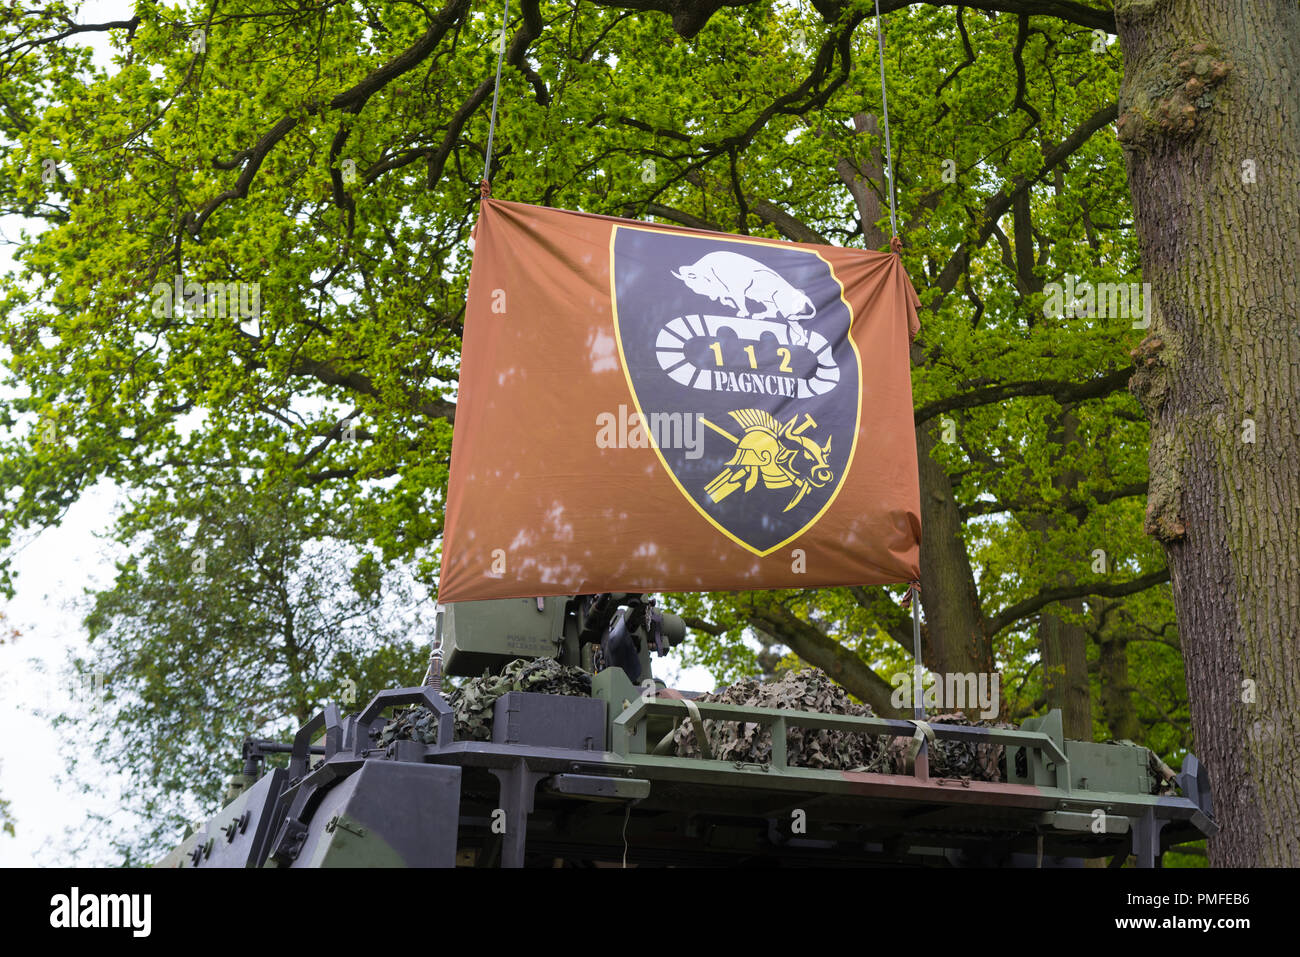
<point x="1062" y="644"/>
<point x="955" y="640"/>
<point x="1064" y="648"/>
<point x="1210" y="124"/>
<point x="1117" y="708"/>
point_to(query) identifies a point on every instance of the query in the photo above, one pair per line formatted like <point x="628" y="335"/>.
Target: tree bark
<point x="1117" y="708"/>
<point x="1063" y="645"/>
<point x="954" y="638"/>
<point x="1210" y="124"/>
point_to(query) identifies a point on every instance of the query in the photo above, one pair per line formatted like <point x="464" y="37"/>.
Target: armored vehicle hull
<point x="574" y="781"/>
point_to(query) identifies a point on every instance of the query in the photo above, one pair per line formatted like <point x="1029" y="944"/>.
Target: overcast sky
<point x="53" y="569"/>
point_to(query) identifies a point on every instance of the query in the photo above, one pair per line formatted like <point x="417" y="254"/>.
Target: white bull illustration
<point x="736" y="280"/>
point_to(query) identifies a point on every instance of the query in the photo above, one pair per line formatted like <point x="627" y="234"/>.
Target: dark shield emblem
<point x="744" y="375"/>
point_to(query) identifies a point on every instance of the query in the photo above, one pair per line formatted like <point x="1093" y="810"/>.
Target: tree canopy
<point x="235" y="614"/>
<point x="320" y="162"/>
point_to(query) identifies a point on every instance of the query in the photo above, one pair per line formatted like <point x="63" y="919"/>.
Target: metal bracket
<point x="1146" y="838"/>
<point x="237" y="825"/>
<point x="344" y="823"/>
<point x="1194" y="782"/>
<point x="327" y="719"/>
<point x="421" y="695"/>
<point x="293" y="834"/>
<point x="518" y="788"/>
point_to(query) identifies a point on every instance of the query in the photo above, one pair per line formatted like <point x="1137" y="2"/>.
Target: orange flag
<point x="648" y="408"/>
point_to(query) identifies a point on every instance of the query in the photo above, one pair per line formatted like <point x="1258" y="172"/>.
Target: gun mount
<point x="589" y="631"/>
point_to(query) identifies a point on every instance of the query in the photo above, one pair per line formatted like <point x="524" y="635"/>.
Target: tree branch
<point x="1047" y="596"/>
<point x="690" y="17"/>
<point x="699" y="624"/>
<point x="1062" y="392"/>
<point x="998" y="205"/>
<point x="350" y="101"/>
<point x="128" y="25"/>
<point x="806" y="641"/>
<point x="678" y="216"/>
<point x="790" y="227"/>
<point x="1072" y="11"/>
<point x="1077" y="509"/>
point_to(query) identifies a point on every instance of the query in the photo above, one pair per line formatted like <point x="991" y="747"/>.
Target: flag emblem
<point x="751" y="340"/>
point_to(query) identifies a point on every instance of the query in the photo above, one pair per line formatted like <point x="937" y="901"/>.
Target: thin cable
<point x="918" y="709"/>
<point x="496" y="92"/>
<point x="626" y="815"/>
<point x="884" y="101"/>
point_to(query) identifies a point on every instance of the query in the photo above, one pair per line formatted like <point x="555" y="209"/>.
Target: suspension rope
<point x="496" y="92"/>
<point x="914" y="598"/>
<point x="894" y="243"/>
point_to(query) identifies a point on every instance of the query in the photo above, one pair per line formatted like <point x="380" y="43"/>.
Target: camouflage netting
<point x="473" y="701"/>
<point x="812" y="690"/>
<point x="807" y="690"/>
<point x="964" y="759"/>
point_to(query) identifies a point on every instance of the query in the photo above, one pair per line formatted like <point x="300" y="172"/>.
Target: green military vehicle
<point x="597" y="776"/>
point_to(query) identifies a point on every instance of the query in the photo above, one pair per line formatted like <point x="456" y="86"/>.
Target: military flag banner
<point x="651" y="408"/>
